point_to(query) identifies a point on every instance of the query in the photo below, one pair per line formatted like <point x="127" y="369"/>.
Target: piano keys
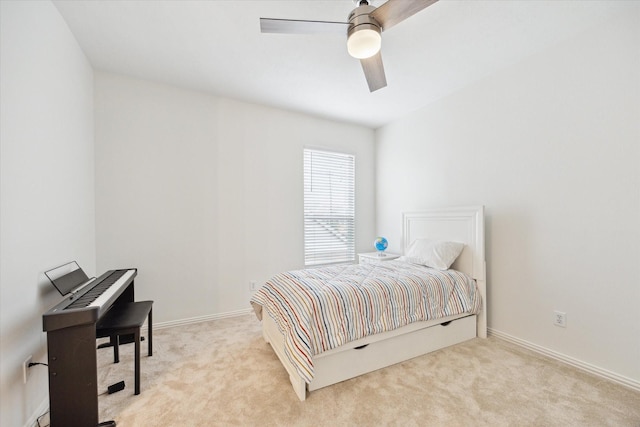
<point x="71" y="345"/>
<point x="91" y="302"/>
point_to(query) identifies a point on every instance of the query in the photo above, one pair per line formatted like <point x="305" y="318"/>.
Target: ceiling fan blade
<point x="293" y="26"/>
<point x="396" y="11"/>
<point x="374" y="72"/>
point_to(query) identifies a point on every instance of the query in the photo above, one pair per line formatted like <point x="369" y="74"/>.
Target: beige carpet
<point x="222" y="373"/>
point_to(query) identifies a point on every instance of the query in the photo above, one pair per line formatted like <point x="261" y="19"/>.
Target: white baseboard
<point x="602" y="373"/>
<point x="201" y="319"/>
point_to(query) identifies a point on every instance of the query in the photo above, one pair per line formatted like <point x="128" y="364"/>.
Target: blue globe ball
<point x="380" y="243"/>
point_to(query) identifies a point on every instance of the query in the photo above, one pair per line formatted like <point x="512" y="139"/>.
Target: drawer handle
<point x="361" y="347"/>
<point x="445" y="323"/>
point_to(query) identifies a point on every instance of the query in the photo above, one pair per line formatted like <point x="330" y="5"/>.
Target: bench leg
<point x="137" y="361"/>
<point x="115" y="341"/>
<point x="150" y="343"/>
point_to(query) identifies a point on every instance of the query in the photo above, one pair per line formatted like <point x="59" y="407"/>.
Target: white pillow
<point x="433" y="253"/>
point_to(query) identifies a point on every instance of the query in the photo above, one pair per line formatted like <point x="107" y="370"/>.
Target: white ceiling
<point x="216" y="47"/>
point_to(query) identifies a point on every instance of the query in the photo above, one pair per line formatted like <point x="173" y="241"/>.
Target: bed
<point x="352" y="345"/>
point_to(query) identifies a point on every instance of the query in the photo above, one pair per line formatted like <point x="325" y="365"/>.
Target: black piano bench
<point x="127" y="319"/>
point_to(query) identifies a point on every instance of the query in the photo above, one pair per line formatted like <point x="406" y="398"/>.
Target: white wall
<point x="46" y="187"/>
<point x="204" y="194"/>
<point x="551" y="147"/>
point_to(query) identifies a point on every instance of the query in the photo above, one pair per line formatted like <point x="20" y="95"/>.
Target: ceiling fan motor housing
<point x="359" y="19"/>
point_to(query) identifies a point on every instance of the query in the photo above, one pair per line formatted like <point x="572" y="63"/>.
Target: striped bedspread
<point x="324" y="308"/>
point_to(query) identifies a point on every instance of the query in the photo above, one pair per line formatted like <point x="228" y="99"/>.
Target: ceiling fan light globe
<point x="364" y="43"/>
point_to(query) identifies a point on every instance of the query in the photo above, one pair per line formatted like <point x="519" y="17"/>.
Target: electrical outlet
<point x="252" y="285"/>
<point x="26" y="369"/>
<point x="560" y="319"/>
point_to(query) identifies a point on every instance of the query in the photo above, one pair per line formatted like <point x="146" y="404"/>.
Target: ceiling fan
<point x="363" y="30"/>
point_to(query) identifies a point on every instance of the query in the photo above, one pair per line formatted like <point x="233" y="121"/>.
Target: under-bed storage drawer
<point x="351" y="362"/>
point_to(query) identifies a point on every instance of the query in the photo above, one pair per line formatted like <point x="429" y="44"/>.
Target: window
<point x="329" y="207"/>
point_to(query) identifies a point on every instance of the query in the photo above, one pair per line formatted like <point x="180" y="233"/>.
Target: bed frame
<point x="460" y="224"/>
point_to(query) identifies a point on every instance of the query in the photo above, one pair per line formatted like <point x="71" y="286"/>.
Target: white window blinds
<point x="329" y="207"/>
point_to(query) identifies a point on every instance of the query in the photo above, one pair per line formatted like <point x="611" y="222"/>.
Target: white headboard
<point x="457" y="224"/>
